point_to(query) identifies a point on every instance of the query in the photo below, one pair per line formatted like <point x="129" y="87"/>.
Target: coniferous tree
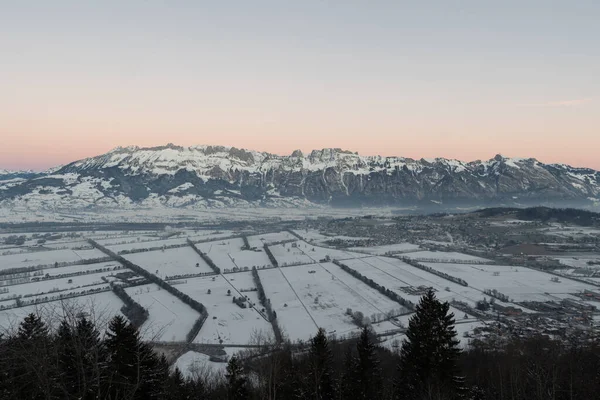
<point x="428" y="357"/>
<point x="91" y="358"/>
<point x="32" y="328"/>
<point x="67" y="360"/>
<point x="365" y="370"/>
<point x="320" y="372"/>
<point x="346" y="386"/>
<point x="35" y="376"/>
<point x="133" y="367"/>
<point x="237" y="384"/>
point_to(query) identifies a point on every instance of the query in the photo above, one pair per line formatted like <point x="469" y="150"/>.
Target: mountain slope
<point x="216" y="176"/>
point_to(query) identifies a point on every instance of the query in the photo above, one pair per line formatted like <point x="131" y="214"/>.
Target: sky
<point x="455" y="79"/>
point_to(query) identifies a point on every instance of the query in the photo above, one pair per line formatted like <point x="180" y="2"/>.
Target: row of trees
<point x="19" y="272"/>
<point x="205" y="257"/>
<point x="433" y="271"/>
<point x="382" y="289"/>
<point x="145" y="249"/>
<point x="131" y="308"/>
<point x="193" y="303"/>
<point x="266" y="303"/>
<point x="246" y="245"/>
<point x="271" y="256"/>
<point x="75" y="361"/>
<point x="22" y="300"/>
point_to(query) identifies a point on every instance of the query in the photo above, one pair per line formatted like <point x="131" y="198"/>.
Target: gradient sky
<point x="459" y="79"/>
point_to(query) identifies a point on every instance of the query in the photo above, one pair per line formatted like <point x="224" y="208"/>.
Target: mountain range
<point x="219" y="176"/>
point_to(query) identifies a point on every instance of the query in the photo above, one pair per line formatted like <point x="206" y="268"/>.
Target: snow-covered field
<point x="147" y="244"/>
<point x="288" y="254"/>
<point x="518" y="283"/>
<point x="99" y="308"/>
<point x="443" y="255"/>
<point x="47" y="257"/>
<point x="170" y="262"/>
<point x="268" y="238"/>
<point x="327" y="299"/>
<point x="227" y="323"/>
<point x="228" y="254"/>
<point x="389" y="248"/>
<point x="396" y="275"/>
<point x="170" y="319"/>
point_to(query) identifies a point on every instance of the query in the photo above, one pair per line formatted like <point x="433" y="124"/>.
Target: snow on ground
<point x="287" y="254"/>
<point x="518" y="283"/>
<point x="396" y="275"/>
<point x="389" y="248"/>
<point x="71" y="244"/>
<point x="580" y="262"/>
<point x="212" y="235"/>
<point x="148" y="244"/>
<point x="47" y="257"/>
<point x="53" y="285"/>
<point x="170" y="262"/>
<point x="443" y="255"/>
<point x="268" y="238"/>
<point x="170" y="319"/>
<point x="317" y="253"/>
<point x="226" y="320"/>
<point x="327" y="299"/>
<point x="227" y="254"/>
<point x="100" y="308"/>
<point x="196" y="365"/>
<point x="81" y="268"/>
<point x="243" y="282"/>
<point x="294" y="320"/>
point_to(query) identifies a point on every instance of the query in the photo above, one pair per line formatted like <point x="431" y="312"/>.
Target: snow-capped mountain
<point x="217" y="176"/>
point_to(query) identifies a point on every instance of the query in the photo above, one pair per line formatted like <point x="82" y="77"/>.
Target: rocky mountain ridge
<point x="219" y="176"/>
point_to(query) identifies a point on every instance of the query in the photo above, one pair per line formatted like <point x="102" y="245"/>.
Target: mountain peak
<point x="206" y="176"/>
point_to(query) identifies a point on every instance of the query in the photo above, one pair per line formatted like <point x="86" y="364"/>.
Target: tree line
<point x="205" y="257"/>
<point x="381" y="289"/>
<point x="76" y="361"/>
<point x="266" y="303"/>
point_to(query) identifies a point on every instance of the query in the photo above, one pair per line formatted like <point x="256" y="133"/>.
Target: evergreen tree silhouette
<point x="133" y="366"/>
<point x="320" y="372"/>
<point x="428" y="363"/>
<point x="236" y="380"/>
<point x="365" y="370"/>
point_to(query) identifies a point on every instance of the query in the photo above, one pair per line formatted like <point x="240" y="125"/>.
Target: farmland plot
<point x="100" y="307"/>
<point x="444" y="255"/>
<point x="54" y="285"/>
<point x="170" y="319"/>
<point x="268" y="238"/>
<point x="227" y="322"/>
<point x="227" y="254"/>
<point x="287" y="255"/>
<point x="327" y="299"/>
<point x="209" y="235"/>
<point x="388" y="248"/>
<point x="243" y="282"/>
<point x="72" y="244"/>
<point x="396" y="275"/>
<point x="85" y="291"/>
<point x="293" y="317"/>
<point x="47" y="257"/>
<point x="147" y="245"/>
<point x="125" y="239"/>
<point x="317" y="253"/>
<point x="518" y="283"/>
<point x="110" y="267"/>
<point x="170" y="262"/>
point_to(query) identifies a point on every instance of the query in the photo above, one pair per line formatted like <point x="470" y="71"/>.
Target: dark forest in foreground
<point x="76" y="362"/>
